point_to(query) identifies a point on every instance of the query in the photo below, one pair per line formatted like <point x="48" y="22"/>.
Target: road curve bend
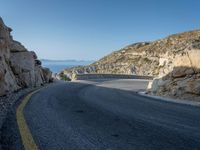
<point x="97" y="116"/>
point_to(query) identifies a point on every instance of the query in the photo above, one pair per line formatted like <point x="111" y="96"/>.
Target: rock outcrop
<point x="184" y="79"/>
<point x="19" y="68"/>
<point x="174" y="61"/>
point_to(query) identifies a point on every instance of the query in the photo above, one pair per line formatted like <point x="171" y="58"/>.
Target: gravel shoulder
<point x="9" y="134"/>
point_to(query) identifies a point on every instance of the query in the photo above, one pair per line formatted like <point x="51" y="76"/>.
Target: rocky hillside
<point x="19" y="68"/>
<point x="174" y="61"/>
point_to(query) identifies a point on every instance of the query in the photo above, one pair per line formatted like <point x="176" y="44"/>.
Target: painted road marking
<point x="27" y="139"/>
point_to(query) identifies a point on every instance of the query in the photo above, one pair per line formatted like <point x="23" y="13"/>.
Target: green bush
<point x="64" y="77"/>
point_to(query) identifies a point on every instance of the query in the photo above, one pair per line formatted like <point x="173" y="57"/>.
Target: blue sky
<point x="91" y="29"/>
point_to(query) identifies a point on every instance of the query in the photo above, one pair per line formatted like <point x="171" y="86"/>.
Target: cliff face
<point x="174" y="61"/>
<point x="19" y="67"/>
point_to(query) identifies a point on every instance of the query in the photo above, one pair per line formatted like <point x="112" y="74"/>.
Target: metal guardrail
<point x="109" y="76"/>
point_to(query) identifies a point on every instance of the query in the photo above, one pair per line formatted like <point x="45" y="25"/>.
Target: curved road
<point x="105" y="115"/>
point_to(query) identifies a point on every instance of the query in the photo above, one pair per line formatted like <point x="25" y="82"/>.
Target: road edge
<point x="26" y="136"/>
<point x="177" y="101"/>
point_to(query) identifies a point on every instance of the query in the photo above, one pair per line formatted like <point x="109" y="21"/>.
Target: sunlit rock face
<point x="184" y="80"/>
<point x="18" y="66"/>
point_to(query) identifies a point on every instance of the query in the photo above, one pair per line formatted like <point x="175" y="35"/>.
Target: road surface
<point x="109" y="115"/>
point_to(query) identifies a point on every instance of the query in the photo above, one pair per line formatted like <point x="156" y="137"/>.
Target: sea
<point x="58" y="65"/>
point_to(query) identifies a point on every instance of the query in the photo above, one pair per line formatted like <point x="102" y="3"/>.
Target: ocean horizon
<point x="56" y="65"/>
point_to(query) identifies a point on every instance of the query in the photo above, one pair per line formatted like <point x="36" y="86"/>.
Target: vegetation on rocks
<point x="64" y="77"/>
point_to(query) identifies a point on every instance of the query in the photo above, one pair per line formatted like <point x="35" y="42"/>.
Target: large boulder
<point x="8" y="81"/>
<point x="23" y="65"/>
<point x="39" y="76"/>
<point x="184" y="80"/>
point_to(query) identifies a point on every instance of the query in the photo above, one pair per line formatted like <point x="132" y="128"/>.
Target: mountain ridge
<point x="170" y="60"/>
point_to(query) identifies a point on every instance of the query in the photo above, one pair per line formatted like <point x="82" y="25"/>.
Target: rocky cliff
<point x="19" y="68"/>
<point x="174" y="61"/>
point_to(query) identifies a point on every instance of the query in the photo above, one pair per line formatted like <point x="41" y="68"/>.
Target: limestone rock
<point x="194" y="86"/>
<point x="181" y="72"/>
<point x="24" y="62"/>
<point x="17" y="47"/>
<point x="47" y="75"/>
<point x="19" y="68"/>
<point x="194" y="56"/>
<point x="38" y="76"/>
<point x="7" y="80"/>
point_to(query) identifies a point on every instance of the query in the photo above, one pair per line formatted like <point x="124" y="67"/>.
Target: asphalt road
<point x="107" y="115"/>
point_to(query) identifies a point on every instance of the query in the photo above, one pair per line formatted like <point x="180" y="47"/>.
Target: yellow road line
<point x="27" y="139"/>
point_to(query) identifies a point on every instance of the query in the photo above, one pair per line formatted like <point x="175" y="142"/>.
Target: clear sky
<point x="90" y="29"/>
